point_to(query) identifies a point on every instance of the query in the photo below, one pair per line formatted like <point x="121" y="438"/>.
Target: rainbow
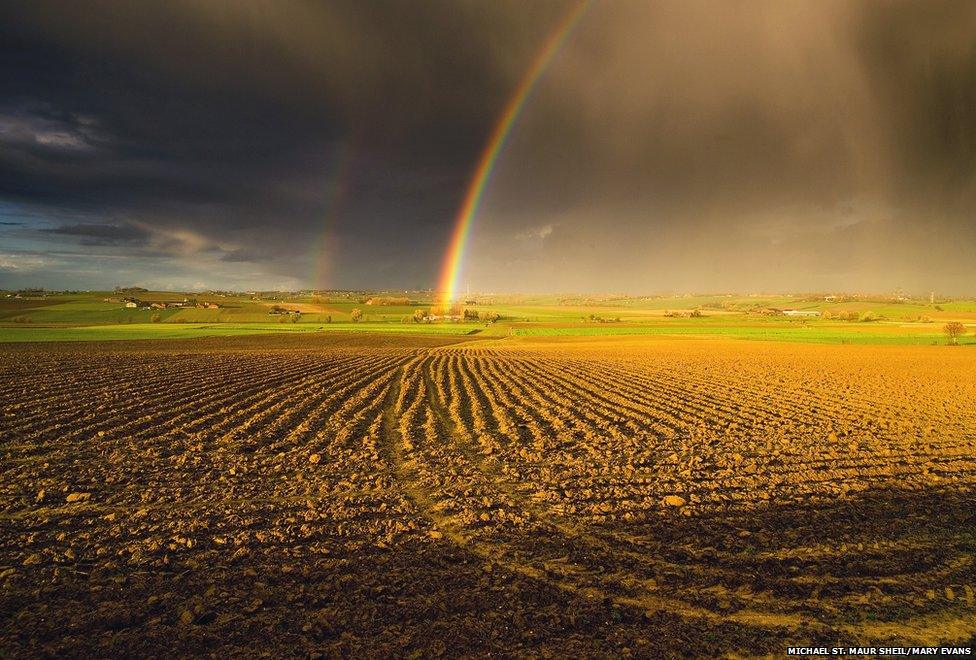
<point x="340" y="164"/>
<point x="450" y="270"/>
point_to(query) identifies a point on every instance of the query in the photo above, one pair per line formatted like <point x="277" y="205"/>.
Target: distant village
<point x="136" y="303"/>
<point x="278" y="310"/>
<point x="773" y="311"/>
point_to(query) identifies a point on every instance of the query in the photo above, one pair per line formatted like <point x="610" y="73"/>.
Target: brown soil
<point x="377" y="496"/>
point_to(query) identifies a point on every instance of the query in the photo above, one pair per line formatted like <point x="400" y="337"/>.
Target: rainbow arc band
<point x="454" y="258"/>
<point x="342" y="162"/>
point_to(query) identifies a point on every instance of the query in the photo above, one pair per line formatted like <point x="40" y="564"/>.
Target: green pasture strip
<point x="826" y="334"/>
<point x="123" y="331"/>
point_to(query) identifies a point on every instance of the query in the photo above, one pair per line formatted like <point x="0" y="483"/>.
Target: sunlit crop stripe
<point x="447" y="285"/>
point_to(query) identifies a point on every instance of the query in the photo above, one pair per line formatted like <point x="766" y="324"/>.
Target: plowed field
<point x="372" y="496"/>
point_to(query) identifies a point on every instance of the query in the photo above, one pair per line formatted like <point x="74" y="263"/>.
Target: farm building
<point x="801" y="312"/>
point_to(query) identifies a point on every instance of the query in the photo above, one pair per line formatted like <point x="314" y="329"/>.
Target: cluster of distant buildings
<point x="281" y="311"/>
<point x="773" y="311"/>
<point x="135" y="303"/>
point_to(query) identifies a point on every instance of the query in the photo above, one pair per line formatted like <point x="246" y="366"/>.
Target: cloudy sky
<point x="670" y="146"/>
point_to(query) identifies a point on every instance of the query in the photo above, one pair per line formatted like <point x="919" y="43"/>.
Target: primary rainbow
<point x="447" y="286"/>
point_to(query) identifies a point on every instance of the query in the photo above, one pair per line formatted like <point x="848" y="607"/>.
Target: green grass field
<point x="131" y="331"/>
<point x="817" y="333"/>
<point x="98" y="316"/>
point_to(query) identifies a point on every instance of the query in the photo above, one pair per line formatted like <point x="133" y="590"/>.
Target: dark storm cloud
<point x="922" y="64"/>
<point x="231" y="119"/>
<point x="257" y="140"/>
<point x="103" y="234"/>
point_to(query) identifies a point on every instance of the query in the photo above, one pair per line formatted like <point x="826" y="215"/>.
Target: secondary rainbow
<point x="340" y="164"/>
<point x="450" y="270"/>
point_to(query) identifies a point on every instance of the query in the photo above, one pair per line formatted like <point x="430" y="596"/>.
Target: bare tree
<point x="954" y="330"/>
<point x="356" y="315"/>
